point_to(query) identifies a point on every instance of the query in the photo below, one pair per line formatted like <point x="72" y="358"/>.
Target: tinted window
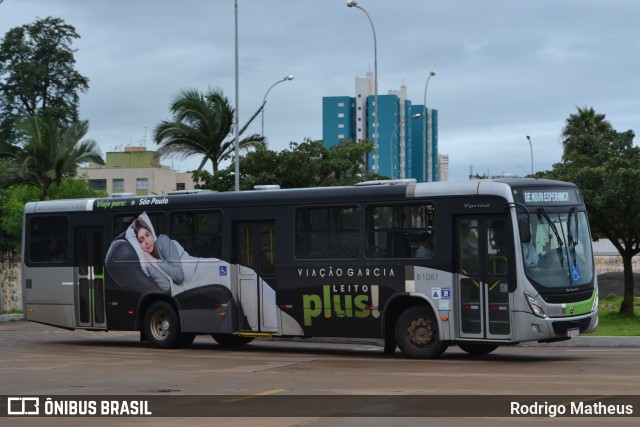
<point x="120" y="223"/>
<point x="399" y="231"/>
<point x="199" y="233"/>
<point x="48" y="239"/>
<point x="327" y="233"/>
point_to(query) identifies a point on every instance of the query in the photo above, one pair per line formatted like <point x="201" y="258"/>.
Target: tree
<point x="606" y="167"/>
<point x="13" y="199"/>
<point x="37" y="75"/>
<point x="583" y="123"/>
<point x="200" y="125"/>
<point x="308" y="164"/>
<point x="47" y="155"/>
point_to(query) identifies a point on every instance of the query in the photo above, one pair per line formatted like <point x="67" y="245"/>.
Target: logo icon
<point x="23" y="406"/>
<point x="223" y="270"/>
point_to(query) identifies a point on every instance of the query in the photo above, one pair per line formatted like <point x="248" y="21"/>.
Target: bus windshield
<point x="557" y="248"/>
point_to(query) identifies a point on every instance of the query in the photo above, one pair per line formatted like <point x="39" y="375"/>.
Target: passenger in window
<point x="425" y="250"/>
<point x="468" y="249"/>
<point x="498" y="240"/>
<point x="56" y="252"/>
<point x="469" y="242"/>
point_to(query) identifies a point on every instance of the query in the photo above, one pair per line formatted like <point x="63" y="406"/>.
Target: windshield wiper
<point x="572" y="243"/>
<point x="555" y="231"/>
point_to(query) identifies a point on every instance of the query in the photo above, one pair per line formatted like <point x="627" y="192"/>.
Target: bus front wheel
<point x="161" y="325"/>
<point x="417" y="333"/>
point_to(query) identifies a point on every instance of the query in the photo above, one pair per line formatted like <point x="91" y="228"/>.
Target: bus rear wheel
<point x="417" y="333"/>
<point x="162" y="326"/>
<point x="477" y="349"/>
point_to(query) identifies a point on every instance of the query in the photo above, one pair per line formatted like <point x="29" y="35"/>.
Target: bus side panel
<point x="49" y="296"/>
<point x="338" y="301"/>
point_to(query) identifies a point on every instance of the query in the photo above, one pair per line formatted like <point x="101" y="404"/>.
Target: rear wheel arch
<point x="394" y="309"/>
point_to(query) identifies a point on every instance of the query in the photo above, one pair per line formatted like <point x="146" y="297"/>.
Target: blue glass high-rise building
<point x="405" y="149"/>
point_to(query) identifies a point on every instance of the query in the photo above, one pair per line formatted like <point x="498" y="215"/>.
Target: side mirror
<point x="524" y="227"/>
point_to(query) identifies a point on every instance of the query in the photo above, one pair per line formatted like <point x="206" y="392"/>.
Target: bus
<point x="417" y="266"/>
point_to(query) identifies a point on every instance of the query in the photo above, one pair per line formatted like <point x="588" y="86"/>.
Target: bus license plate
<point x="574" y="332"/>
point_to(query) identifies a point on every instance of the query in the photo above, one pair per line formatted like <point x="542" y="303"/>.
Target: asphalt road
<point x="37" y="360"/>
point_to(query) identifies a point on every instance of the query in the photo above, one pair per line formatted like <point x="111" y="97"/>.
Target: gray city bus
<point x="421" y="266"/>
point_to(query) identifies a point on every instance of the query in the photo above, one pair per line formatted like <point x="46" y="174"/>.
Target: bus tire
<point x="477" y="349"/>
<point x="229" y="340"/>
<point x="161" y="325"/>
<point x="185" y="340"/>
<point x="417" y="333"/>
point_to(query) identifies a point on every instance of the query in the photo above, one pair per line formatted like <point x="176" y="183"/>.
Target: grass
<point x="11" y="312"/>
<point x="612" y="323"/>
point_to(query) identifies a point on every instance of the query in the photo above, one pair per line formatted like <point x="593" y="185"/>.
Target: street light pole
<point x="391" y="165"/>
<point x="353" y="3"/>
<point x="531" y="148"/>
<point x="237" y="118"/>
<point x="264" y="101"/>
<point x="426" y="148"/>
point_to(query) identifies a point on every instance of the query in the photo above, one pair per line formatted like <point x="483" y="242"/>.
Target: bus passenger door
<point x="483" y="266"/>
<point x="255" y="252"/>
<point x="89" y="278"/>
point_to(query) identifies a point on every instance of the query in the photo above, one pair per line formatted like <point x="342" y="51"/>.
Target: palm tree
<point x="585" y="123"/>
<point x="46" y="155"/>
<point x="200" y="125"/>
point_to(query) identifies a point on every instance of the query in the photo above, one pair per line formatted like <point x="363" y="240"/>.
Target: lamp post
<point x="353" y="3"/>
<point x="391" y="165"/>
<point x="426" y="147"/>
<point x="237" y="118"/>
<point x="264" y="101"/>
<point x="531" y="148"/>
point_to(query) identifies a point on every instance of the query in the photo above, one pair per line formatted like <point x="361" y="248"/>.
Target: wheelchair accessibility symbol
<point x="223" y="270"/>
<point x="575" y="273"/>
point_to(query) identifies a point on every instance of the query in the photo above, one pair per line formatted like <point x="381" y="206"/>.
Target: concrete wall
<point x="10" y="282"/>
<point x="609" y="264"/>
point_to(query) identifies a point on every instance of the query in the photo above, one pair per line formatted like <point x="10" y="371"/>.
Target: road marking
<point x="263" y="393"/>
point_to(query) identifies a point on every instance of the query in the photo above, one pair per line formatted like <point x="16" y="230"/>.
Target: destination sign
<point x="550" y="196"/>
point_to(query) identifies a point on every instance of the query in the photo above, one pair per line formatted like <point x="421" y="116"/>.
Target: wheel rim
<point x="160" y="326"/>
<point x="421" y="332"/>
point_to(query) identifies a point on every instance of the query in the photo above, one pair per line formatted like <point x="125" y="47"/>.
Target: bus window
<point x="48" y="240"/>
<point x="121" y="223"/>
<point x="469" y="253"/>
<point x="497" y="247"/>
<point x="327" y="233"/>
<point x="398" y="231"/>
<point x="199" y="233"/>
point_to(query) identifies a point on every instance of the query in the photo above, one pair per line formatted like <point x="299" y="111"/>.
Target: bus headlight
<point x="535" y="306"/>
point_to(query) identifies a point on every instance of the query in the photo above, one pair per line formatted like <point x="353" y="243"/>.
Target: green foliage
<point x="13" y="199"/>
<point x="12" y="202"/>
<point x="306" y="164"/>
<point x="201" y="123"/>
<point x="612" y="323"/>
<point x="37" y="75"/>
<point x="605" y="165"/>
<point x="46" y="155"/>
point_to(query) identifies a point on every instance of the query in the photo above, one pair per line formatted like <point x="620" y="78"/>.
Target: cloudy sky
<point x="505" y="68"/>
